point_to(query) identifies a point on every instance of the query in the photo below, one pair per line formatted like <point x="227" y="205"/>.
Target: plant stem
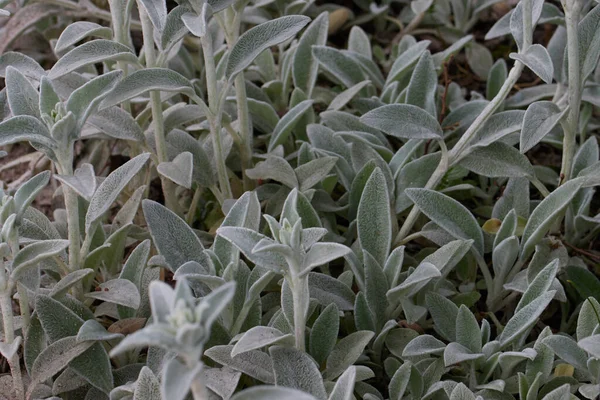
<point x="214" y="118"/>
<point x="191" y="214"/>
<point x="72" y="208"/>
<point x="539" y="186"/>
<point x="300" y="298"/>
<point x="572" y="11"/>
<point x="9" y="333"/>
<point x="458" y="151"/>
<point x="157" y="112"/>
<point x="24" y="307"/>
<point x="485" y="271"/>
<point x="245" y="129"/>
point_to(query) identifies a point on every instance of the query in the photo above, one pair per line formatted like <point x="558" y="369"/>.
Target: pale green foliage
<point x="300" y="200"/>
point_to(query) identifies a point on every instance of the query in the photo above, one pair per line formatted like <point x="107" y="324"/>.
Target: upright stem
<point x="458" y="151"/>
<point x="215" y="123"/>
<point x="245" y="128"/>
<point x="24" y="307"/>
<point x="191" y="214"/>
<point x="572" y="11"/>
<point x="9" y="331"/>
<point x="122" y="35"/>
<point x="485" y="271"/>
<point x="65" y="167"/>
<point x="157" y="112"/>
<point x="299" y="286"/>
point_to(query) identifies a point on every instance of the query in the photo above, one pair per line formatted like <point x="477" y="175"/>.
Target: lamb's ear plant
<point x="300" y="200"/>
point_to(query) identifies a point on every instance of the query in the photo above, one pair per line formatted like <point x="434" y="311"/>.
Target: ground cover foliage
<point x="268" y="199"/>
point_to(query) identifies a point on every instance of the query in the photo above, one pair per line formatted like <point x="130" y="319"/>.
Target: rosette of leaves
<point x="181" y="325"/>
<point x="293" y="251"/>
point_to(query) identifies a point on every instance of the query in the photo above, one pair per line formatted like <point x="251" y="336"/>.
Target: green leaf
<point x="259" y="337"/>
<point x="244" y="213"/>
<point x="118" y="291"/>
<point x="25" y="128"/>
<point x="339" y="65"/>
<point x="326" y="290"/>
<point x="525" y="318"/>
<point x="116" y="123"/>
<point x="83" y="181"/>
<point x="591" y="344"/>
<point x="261" y="37"/>
<point x="400" y="380"/>
<point x="444" y="313"/>
<point x="256" y="364"/>
<point x="86" y="99"/>
<point x="96" y="51"/>
<point x="275" y="168"/>
<point x="33" y="254"/>
<point x="374" y="218"/>
<point x="423" y="85"/>
<point x="23" y="98"/>
<point x="272" y="393"/>
<point x="55" y="357"/>
<point x="449" y="214"/>
<point x="180" y="170"/>
<point x="498" y="160"/>
<point x="346" y="96"/>
<point x="424" y="273"/>
<point x="313" y="172"/>
<point x="246" y="240"/>
<point x="588" y="31"/>
<point x="363" y="316"/>
<point x="467" y="330"/>
<point x="496" y="78"/>
<point x="406" y="60"/>
<point x="172" y="236"/>
<point x="376" y="287"/>
<point x="589" y="318"/>
<point x="359" y="42"/>
<point x="177" y="379"/>
<point x="92" y="331"/>
<point x="414" y="174"/>
<point x="541" y="117"/>
<point x="346" y="352"/>
<point x="287" y="123"/>
<point x="584" y="281"/>
<point x="25" y="64"/>
<point x="567" y="349"/>
<point x="305" y="67"/>
<point x="344" y="387"/>
<point x="78" y="31"/>
<point x="63" y="286"/>
<point x="147" y="386"/>
<point x="423" y="345"/>
<point x="287" y="362"/>
<point x="324" y="333"/>
<point x="323" y="253"/>
<point x="157" y="12"/>
<point x="561" y="393"/>
<point x="461" y="392"/>
<point x="111" y="187"/>
<point x="539" y="285"/>
<point x="403" y="121"/>
<point x="545" y="214"/>
<point x="59" y="322"/>
<point x="147" y="79"/>
<point x="537" y="59"/>
<point x="202" y="173"/>
<point x="28" y="191"/>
